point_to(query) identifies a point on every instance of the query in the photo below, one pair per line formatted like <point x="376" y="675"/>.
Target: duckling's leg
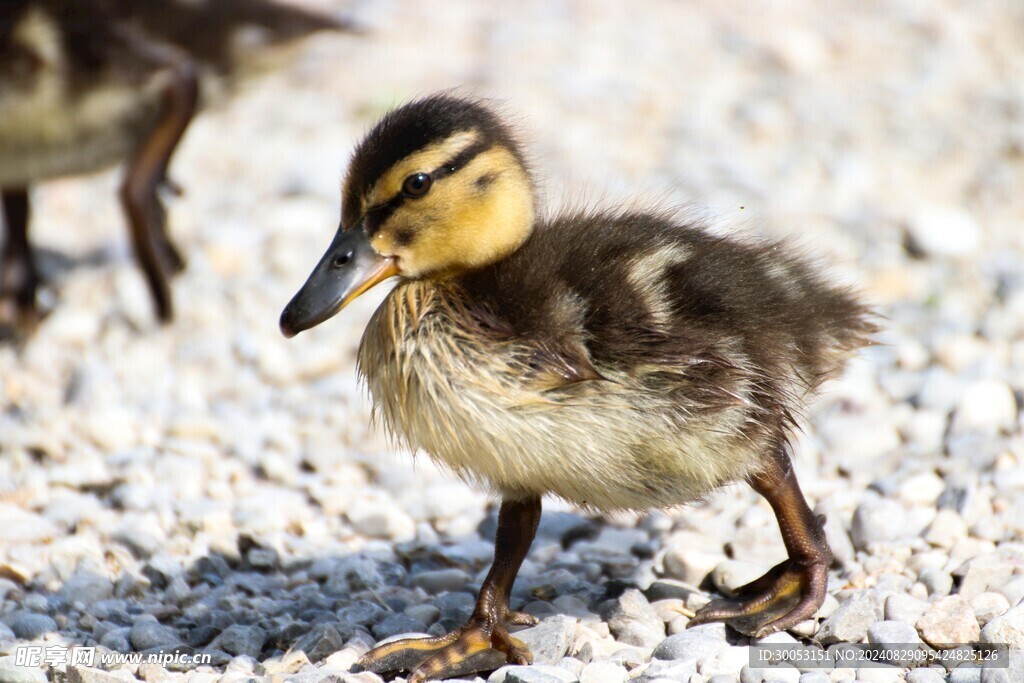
<point x="18" y="312"/>
<point x="146" y="173"/>
<point x="484" y="643"/>
<point x="793" y="590"/>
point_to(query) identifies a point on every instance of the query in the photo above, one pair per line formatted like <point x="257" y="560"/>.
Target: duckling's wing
<point x="635" y="297"/>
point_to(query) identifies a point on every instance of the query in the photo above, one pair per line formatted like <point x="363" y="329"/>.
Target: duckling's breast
<point x="474" y="401"/>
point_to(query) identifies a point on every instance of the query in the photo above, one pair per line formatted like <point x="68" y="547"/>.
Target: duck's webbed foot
<point x="484" y="643"/>
<point x="793" y="590"/>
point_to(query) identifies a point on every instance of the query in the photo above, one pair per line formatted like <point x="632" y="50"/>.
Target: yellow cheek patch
<point x="461" y="224"/>
<point x="424" y="160"/>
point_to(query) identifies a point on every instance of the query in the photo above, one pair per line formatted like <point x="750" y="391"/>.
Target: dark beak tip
<point x="288" y="328"/>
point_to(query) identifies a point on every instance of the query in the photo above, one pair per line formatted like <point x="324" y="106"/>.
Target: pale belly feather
<point x="602" y="444"/>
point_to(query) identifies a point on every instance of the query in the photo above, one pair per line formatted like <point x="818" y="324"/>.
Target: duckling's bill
<point x="348" y="268"/>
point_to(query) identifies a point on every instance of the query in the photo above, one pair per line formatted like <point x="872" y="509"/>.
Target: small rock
<point x="895" y="633"/>
<point x="700" y="642"/>
<point x="669" y="670"/>
<point x="238" y="639"/>
<point x="943" y="231"/>
<point x="946" y="529"/>
<point x="1007" y="628"/>
<point x="989" y="605"/>
<point x="987" y="406"/>
<point x="603" y="672"/>
<point x="947" y="621"/>
<point x="397" y="623"/>
<point x="983" y="573"/>
<point x="149" y="633"/>
<point x="29" y="626"/>
<point x="441" y="580"/>
<point x="731" y="574"/>
<point x="549" y="640"/>
<point x="322" y="641"/>
<point x="936" y="581"/>
<point x="879" y="520"/>
<point x="379" y="519"/>
<point x="117" y="640"/>
<point x="633" y="621"/>
<point x="849" y="623"/>
<point x="929" y="675"/>
<point x="902" y="607"/>
<point x="84" y="674"/>
<point x="86" y="588"/>
<point x="537" y="673"/>
<point x="10" y="672"/>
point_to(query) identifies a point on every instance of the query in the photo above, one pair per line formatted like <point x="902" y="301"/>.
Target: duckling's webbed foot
<point x="147" y="172"/>
<point x="484" y="643"/>
<point x="793" y="590"/>
<point x="19" y="279"/>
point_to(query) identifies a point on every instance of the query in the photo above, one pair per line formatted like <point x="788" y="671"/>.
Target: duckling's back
<point x="647" y="291"/>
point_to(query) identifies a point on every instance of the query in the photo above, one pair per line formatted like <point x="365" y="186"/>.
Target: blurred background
<point x="886" y="138"/>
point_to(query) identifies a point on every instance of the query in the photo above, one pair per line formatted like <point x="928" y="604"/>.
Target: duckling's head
<point x="437" y="188"/>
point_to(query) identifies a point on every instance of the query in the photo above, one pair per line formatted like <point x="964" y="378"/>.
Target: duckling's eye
<point x="341" y="259"/>
<point x="416" y="185"/>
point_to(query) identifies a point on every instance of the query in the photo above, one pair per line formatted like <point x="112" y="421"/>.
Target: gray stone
<point x="989" y="605"/>
<point x="322" y="641"/>
<point x="572" y="665"/>
<point x="425" y="614"/>
<point x="397" y="623"/>
<point x="947" y="621"/>
<point x="700" y="642"/>
<point x="963" y="674"/>
<point x="895" y="633"/>
<point x="149" y="633"/>
<point x="441" y="580"/>
<point x="926" y="675"/>
<point x="549" y="640"/>
<point x="16" y="673"/>
<point x="1007" y="628"/>
<point x="988" y="406"/>
<point x="849" y="623"/>
<point x="782" y="674"/>
<point x="30" y="626"/>
<point x="878" y="520"/>
<point x="669" y="670"/>
<point x="238" y="639"/>
<point x="983" y="573"/>
<point x="603" y="672"/>
<point x="936" y="581"/>
<point x="537" y="673"/>
<point x="905" y="608"/>
<point x="86" y="588"/>
<point x="117" y="639"/>
<point x="815" y="677"/>
<point x="633" y="621"/>
<point x="943" y="231"/>
<point x="731" y="574"/>
<point x="85" y="674"/>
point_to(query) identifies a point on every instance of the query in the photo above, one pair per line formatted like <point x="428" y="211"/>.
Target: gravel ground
<point x="211" y="486"/>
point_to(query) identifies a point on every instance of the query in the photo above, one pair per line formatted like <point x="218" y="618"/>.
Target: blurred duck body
<point x="86" y="84"/>
<point x="618" y="360"/>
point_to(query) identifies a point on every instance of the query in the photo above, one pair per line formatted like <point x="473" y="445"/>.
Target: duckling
<point x="619" y="360"/>
<point x="85" y="84"/>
